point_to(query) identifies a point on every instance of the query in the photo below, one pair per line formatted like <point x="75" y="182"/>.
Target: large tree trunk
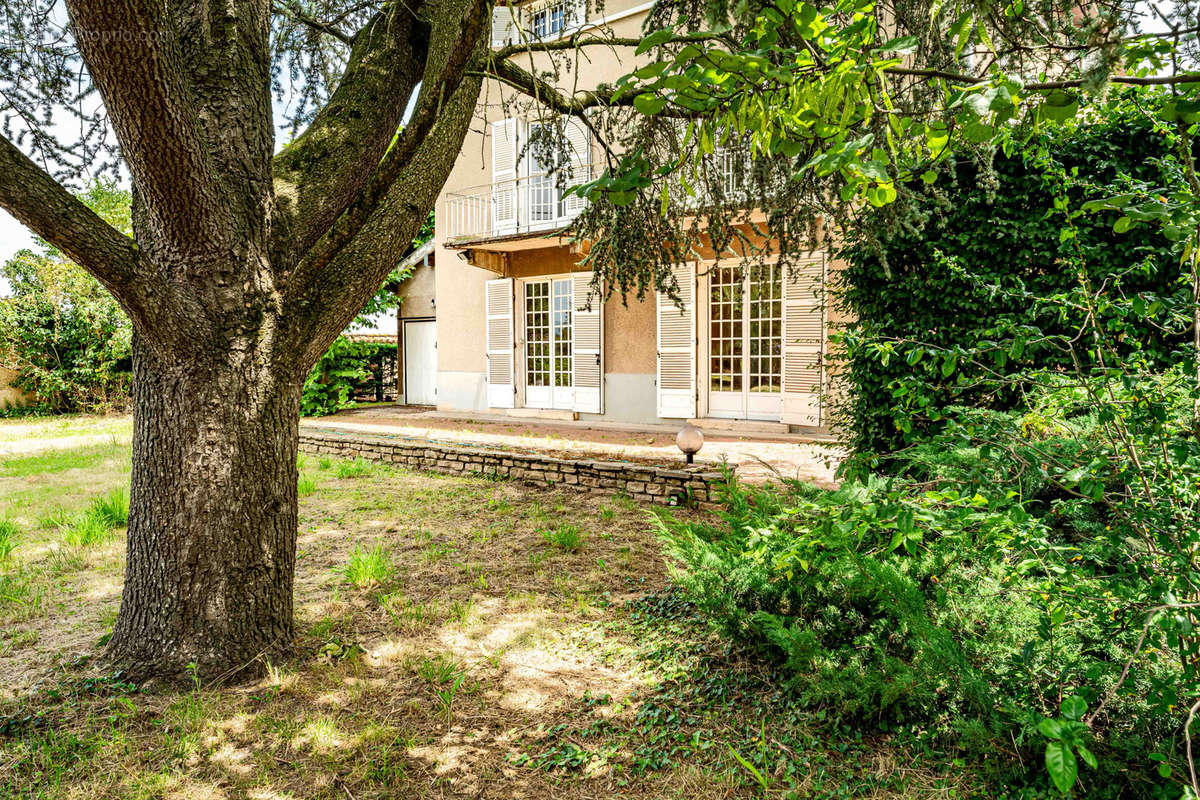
<point x="212" y="525"/>
<point x="246" y="267"/>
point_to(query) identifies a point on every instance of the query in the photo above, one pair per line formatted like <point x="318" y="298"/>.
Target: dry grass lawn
<point x="458" y="638"/>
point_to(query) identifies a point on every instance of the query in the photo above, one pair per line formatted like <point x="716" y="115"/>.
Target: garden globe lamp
<point x="690" y="439"/>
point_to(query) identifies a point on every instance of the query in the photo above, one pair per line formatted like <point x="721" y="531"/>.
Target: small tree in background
<point x="62" y="331"/>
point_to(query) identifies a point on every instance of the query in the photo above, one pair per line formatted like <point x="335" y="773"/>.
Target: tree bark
<point x="212" y="523"/>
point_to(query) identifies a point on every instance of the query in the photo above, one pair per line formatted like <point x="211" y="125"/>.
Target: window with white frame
<point x="549" y="19"/>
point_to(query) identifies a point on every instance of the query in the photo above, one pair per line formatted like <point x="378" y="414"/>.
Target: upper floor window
<point x="548" y="20"/>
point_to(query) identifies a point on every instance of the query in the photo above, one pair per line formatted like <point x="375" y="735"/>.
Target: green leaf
<point x="1060" y="762"/>
<point x="1051" y="728"/>
<point x="949" y="364"/>
<point x="1074" y="707"/>
<point x="655" y="39"/>
<point x="901" y="44"/>
<point x="649" y="104"/>
<point x="1059" y="106"/>
<point x="1088" y="757"/>
<point x="1122" y="225"/>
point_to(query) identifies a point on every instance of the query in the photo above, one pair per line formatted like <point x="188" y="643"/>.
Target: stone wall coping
<point x="641" y="481"/>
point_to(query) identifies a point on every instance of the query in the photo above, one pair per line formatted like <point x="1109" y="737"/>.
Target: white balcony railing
<point x="535" y="204"/>
<point x="530" y="204"/>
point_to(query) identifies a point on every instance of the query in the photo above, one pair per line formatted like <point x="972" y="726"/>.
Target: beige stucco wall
<point x="460" y="286"/>
<point x="630" y="347"/>
<point x="497" y="101"/>
<point x="417" y="294"/>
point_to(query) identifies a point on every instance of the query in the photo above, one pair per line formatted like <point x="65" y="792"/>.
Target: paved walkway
<point x="757" y="455"/>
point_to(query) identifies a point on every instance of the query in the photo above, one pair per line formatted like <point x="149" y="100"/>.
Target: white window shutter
<point x="587" y="341"/>
<point x="579" y="143"/>
<point x="803" y="339"/>
<point x="498" y="306"/>
<point x="504" y="26"/>
<point x="677" y="347"/>
<point x="505" y="148"/>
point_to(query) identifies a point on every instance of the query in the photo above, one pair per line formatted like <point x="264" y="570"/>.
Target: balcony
<point x="531" y="205"/>
<point x="515" y="208"/>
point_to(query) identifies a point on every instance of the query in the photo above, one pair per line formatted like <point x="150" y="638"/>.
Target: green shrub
<point x="985" y="248"/>
<point x="63" y="333"/>
<point x="112" y="509"/>
<point x="918" y="608"/>
<point x="347" y="369"/>
<point x="368" y="567"/>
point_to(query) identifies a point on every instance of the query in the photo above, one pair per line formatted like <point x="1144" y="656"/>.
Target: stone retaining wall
<point x="641" y="482"/>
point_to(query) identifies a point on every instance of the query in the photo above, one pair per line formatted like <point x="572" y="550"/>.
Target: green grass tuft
<point x="8" y="538"/>
<point x="19" y="598"/>
<point x="58" y="518"/>
<point x="353" y="469"/>
<point x="306" y="485"/>
<point x="439" y="669"/>
<point x="565" y="537"/>
<point x="368" y="567"/>
<point x="112" y="509"/>
<point x="86" y="530"/>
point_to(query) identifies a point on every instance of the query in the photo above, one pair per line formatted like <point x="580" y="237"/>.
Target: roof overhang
<point x="418" y="255"/>
<point x="512" y="242"/>
<point x="493" y="253"/>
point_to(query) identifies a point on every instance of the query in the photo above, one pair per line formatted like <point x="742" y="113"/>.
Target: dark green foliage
<point x="982" y="231"/>
<point x="347" y="369"/>
<point x="902" y="607"/>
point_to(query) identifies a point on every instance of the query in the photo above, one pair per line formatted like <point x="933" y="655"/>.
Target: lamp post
<point x="690" y="439"/>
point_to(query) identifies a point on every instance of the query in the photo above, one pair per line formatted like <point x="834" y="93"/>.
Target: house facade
<point x="513" y="327"/>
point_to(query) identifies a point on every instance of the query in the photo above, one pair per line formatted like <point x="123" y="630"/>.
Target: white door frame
<point x="741" y="403"/>
<point x="559" y="301"/>
<point x="404" y="323"/>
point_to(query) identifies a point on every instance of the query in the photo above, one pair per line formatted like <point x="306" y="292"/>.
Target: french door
<point x="745" y="323"/>
<point x="549" y="327"/>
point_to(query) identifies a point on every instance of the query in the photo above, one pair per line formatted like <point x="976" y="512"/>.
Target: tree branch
<point x="318" y="175"/>
<point x="575" y="103"/>
<point x="53" y="213"/>
<point x="132" y="53"/>
<point x="577" y="40"/>
<point x="444" y="72"/>
<point x="1045" y="86"/>
<point x="351" y="262"/>
<point x="296" y="15"/>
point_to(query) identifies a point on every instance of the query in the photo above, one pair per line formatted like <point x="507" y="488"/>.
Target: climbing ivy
<point x="976" y="229"/>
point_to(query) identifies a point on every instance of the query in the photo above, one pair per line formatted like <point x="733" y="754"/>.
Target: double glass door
<point x="549" y="367"/>
<point x="745" y="323"/>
